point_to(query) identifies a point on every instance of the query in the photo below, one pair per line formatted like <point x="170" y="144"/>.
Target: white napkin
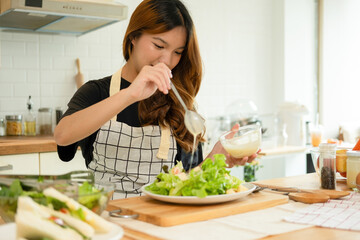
<point x="341" y="214"/>
<point x="250" y="225"/>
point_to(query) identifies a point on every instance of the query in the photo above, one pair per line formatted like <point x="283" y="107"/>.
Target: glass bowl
<point x="93" y="196"/>
<point x="340" y="160"/>
<point x="243" y="142"/>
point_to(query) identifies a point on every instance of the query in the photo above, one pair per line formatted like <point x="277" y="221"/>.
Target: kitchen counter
<point x="283" y="150"/>
<point x="135" y="229"/>
<point x="309" y="232"/>
<point x="23" y="144"/>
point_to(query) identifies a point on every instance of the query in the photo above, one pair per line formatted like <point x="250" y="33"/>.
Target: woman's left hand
<point x="230" y="160"/>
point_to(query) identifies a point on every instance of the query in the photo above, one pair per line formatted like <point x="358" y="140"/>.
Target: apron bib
<point x="130" y="156"/>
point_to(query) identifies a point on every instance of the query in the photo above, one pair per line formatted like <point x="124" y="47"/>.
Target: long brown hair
<point x="159" y="16"/>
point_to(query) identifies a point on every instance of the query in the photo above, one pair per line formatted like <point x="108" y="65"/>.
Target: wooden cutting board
<point x="168" y="214"/>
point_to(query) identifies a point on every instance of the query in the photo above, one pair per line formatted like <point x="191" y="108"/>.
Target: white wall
<point x="300" y="52"/>
<point x="242" y="43"/>
<point x="239" y="43"/>
<point x="341" y="72"/>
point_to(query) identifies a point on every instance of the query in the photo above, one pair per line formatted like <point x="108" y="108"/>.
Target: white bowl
<point x="243" y="142"/>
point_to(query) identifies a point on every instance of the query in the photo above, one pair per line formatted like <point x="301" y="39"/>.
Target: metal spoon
<point x="194" y="122"/>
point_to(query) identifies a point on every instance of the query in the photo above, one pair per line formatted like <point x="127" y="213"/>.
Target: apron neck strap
<point x="164" y="143"/>
<point x="115" y="86"/>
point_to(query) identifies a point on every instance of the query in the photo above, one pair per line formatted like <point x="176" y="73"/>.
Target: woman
<point x="129" y="125"/>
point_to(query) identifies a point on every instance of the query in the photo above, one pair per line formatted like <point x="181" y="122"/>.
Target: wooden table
<point x="311" y="181"/>
<point x="308" y="181"/>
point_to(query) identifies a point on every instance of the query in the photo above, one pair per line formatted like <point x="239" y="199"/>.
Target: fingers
<point x="252" y="158"/>
<point x="159" y="75"/>
<point x="163" y="75"/>
<point x="231" y="161"/>
<point x="244" y="160"/>
<point x="236" y="161"/>
<point x="234" y="129"/>
<point x="167" y="74"/>
<point x="160" y="79"/>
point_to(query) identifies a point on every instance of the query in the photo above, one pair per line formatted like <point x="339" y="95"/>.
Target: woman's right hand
<point x="150" y="79"/>
<point x="83" y="123"/>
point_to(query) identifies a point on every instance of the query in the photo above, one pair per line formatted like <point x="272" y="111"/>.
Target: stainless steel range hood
<point x="60" y="16"/>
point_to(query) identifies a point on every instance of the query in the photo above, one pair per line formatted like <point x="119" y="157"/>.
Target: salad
<point x="212" y="178"/>
<point x="86" y="194"/>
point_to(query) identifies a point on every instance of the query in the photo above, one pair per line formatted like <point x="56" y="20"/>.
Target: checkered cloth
<point x="341" y="214"/>
<point x="126" y="156"/>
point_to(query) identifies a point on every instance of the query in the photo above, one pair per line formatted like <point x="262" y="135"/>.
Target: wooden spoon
<point x="333" y="194"/>
<point x="309" y="197"/>
<point x="306" y="195"/>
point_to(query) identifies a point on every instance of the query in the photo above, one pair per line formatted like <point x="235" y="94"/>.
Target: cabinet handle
<point x="6" y="167"/>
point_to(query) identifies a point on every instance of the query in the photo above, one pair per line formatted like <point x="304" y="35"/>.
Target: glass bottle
<point x="29" y="120"/>
<point x="327" y="165"/>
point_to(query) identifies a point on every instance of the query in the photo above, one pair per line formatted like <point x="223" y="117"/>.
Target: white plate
<point x="206" y="200"/>
<point x="8" y="232"/>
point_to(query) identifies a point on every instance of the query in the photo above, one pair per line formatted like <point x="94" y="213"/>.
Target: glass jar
<point x="2" y="127"/>
<point x="14" y="125"/>
<point x="353" y="167"/>
<point x="327" y="165"/>
<point x="45" y="121"/>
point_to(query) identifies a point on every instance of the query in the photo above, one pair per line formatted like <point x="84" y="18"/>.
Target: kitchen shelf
<point x="22" y="144"/>
<point x="283" y="150"/>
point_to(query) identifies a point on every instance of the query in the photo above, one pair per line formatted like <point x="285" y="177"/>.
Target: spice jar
<point x="353" y="167"/>
<point x="2" y="127"/>
<point x="45" y="121"/>
<point x="327" y="165"/>
<point x="14" y="125"/>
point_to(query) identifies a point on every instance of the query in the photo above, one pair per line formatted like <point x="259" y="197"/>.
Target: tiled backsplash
<point x="43" y="66"/>
<point x="241" y="59"/>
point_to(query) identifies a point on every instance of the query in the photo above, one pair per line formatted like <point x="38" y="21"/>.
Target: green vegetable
<point x="8" y="199"/>
<point x="89" y="196"/>
<point x="212" y="179"/>
<point x="55" y="203"/>
<point x="79" y="213"/>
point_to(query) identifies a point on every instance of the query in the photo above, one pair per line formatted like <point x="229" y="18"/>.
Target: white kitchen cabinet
<point x="50" y="163"/>
<point x="286" y="165"/>
<point x="277" y="166"/>
<point x="20" y="164"/>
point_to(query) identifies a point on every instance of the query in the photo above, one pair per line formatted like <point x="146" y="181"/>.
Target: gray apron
<point x="130" y="156"/>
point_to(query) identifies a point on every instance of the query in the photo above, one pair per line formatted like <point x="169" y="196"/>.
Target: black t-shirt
<point x="95" y="91"/>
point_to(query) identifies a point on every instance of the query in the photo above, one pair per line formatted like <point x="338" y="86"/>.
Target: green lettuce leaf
<point x="211" y="179"/>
